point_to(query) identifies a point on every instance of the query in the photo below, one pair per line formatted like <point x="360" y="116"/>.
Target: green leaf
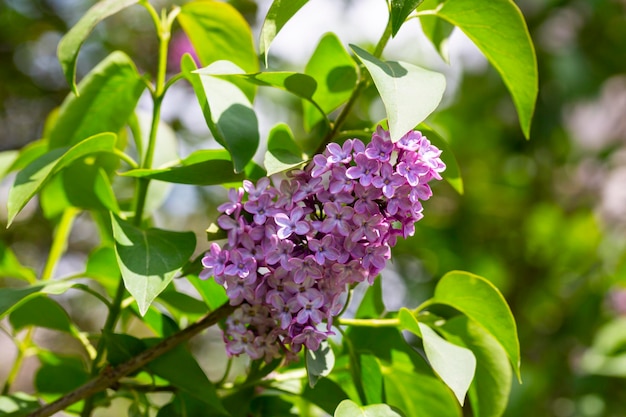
<point x="409" y="322"/>
<point x="59" y="374"/>
<point x="102" y="267"/>
<point x="319" y="363"/>
<point x="489" y="392"/>
<point x="400" y="10"/>
<point x="161" y="324"/>
<point x="418" y="393"/>
<point x="40" y="312"/>
<point x="204" y="167"/>
<point x="452" y="174"/>
<point x="184" y="405"/>
<point x="182" y="370"/>
<point x="327" y="394"/>
<point x="178" y="302"/>
<point x="121" y="347"/>
<point x="27" y="155"/>
<point x="481" y="301"/>
<point x="336" y="75"/>
<point x="71" y="42"/>
<point x="409" y="93"/>
<point x="498" y="29"/>
<point x="108" y="96"/>
<point x="409" y="382"/>
<point x="11" y="298"/>
<point x="278" y="14"/>
<point x="231" y="117"/>
<point x="149" y="259"/>
<point x="371" y="378"/>
<point x="10" y="266"/>
<point x="213" y="294"/>
<point x="372" y="305"/>
<point x="18" y="404"/>
<point x="219" y="32"/>
<point x="437" y="30"/>
<point x="30" y="180"/>
<point x="348" y="408"/>
<point x="454" y="364"/>
<point x="7" y="160"/>
<point x="283" y="152"/>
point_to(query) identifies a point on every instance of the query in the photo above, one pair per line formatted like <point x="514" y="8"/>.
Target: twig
<point x="110" y="376"/>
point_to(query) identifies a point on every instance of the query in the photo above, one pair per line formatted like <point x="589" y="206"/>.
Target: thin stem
<point x="369" y="322"/>
<point x="110" y="376"/>
<point x="22" y="348"/>
<point x="229" y="365"/>
<point x="59" y="243"/>
<point x="124" y="157"/>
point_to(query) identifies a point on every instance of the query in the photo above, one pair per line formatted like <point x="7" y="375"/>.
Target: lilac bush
<point x="294" y="250"/>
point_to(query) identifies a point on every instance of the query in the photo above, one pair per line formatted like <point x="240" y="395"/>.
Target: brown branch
<point x="110" y="376"/>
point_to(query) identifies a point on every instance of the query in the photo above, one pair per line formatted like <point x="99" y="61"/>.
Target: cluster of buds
<point x="294" y="251"/>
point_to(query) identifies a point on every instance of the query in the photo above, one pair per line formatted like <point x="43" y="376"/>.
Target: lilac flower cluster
<point x="293" y="251"/>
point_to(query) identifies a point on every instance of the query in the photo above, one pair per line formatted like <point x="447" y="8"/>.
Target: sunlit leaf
<point x="213" y="294"/>
<point x="219" y="32"/>
<point x="481" y="301"/>
<point x="489" y="392"/>
<point x="205" y="167"/>
<point x="336" y="75"/>
<point x="11" y="298"/>
<point x="506" y="43"/>
<point x="149" y="259"/>
<point x="70" y="44"/>
<point x="278" y="15"/>
<point x="30" y="180"/>
<point x="454" y="364"/>
<point x="230" y="115"/>
<point x="319" y="363"/>
<point x="409" y="93"/>
<point x="348" y="408"/>
<point x="283" y="152"/>
<point x="400" y="10"/>
<point x="108" y="96"/>
<point x="40" y="312"/>
<point x="18" y="404"/>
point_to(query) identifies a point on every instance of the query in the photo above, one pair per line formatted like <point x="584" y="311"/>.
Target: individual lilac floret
<point x="294" y="250"/>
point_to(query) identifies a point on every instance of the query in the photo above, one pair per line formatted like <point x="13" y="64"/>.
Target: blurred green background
<point x="544" y="219"/>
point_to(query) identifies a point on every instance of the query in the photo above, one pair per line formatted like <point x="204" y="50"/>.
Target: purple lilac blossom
<point x="295" y="249"/>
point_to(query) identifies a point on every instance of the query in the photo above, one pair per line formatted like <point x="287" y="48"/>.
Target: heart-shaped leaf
<point x="283" y="152"/>
<point x="409" y="93"/>
<point x="149" y="259"/>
